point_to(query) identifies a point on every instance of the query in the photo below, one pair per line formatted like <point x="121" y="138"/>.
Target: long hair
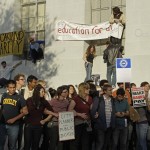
<point x="81" y="89"/>
<point x="89" y="49"/>
<point x="37" y="100"/>
<point x="75" y="92"/>
<point x="52" y="92"/>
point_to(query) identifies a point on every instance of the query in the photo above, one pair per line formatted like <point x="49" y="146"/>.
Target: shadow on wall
<point x="44" y="69"/>
<point x="50" y="32"/>
<point x="6" y="19"/>
<point x="47" y="68"/>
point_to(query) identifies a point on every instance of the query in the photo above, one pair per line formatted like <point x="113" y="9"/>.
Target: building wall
<point x="138" y="38"/>
<point x="68" y="60"/>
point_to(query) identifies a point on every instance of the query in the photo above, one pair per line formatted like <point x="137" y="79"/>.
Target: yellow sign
<point x="11" y="43"/>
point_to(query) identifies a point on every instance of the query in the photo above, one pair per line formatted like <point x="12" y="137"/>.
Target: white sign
<point x="138" y="97"/>
<point x="66" y="126"/>
<point x="73" y="31"/>
<point x="123" y="69"/>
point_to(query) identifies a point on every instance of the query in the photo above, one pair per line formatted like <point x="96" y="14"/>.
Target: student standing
<point x="13" y="109"/>
<point x="88" y="58"/>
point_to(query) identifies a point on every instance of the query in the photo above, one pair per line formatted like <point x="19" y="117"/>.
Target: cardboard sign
<point x="66" y="126"/>
<point x="11" y="43"/>
<point x="138" y="97"/>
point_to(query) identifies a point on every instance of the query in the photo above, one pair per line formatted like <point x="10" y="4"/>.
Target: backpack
<point x="111" y="53"/>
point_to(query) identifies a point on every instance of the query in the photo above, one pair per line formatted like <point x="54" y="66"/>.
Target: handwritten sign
<point x="66" y="126"/>
<point x="138" y="97"/>
<point x="11" y="43"/>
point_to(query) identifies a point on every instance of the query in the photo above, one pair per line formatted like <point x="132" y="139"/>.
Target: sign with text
<point x="138" y="97"/>
<point x="123" y="69"/>
<point x="73" y="31"/>
<point x="11" y="43"/>
<point x="66" y="126"/>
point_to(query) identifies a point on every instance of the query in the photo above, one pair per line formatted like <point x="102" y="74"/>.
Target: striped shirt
<point x="108" y="110"/>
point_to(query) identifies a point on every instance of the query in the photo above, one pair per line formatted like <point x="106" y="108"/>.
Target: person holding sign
<point x="142" y="123"/>
<point x="59" y="104"/>
<point x="88" y="58"/>
<point x="117" y="17"/>
<point x="81" y="105"/>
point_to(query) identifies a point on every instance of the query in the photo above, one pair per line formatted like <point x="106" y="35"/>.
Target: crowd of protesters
<point x="103" y="118"/>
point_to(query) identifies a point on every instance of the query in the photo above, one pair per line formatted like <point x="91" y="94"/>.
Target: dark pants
<point x="45" y="141"/>
<point x="103" y="139"/>
<point x="54" y="139"/>
<point x="36" y="55"/>
<point x="2" y="135"/>
<point x="20" y="135"/>
<point x="81" y="141"/>
<point x="32" y="135"/>
<point x="12" y="132"/>
<point x="120" y="138"/>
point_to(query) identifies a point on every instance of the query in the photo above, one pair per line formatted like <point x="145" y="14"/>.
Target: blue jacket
<point x="99" y="106"/>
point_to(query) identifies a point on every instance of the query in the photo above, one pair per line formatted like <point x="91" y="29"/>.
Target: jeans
<point x="120" y="138"/>
<point x="81" y="141"/>
<point x="2" y="135"/>
<point x="12" y="132"/>
<point x="32" y="135"/>
<point x="131" y="141"/>
<point x="88" y="68"/>
<point x="141" y="131"/>
<point x="103" y="139"/>
<point x="111" y="75"/>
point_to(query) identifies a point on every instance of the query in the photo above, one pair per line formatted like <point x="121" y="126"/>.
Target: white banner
<point x="66" y="126"/>
<point x="71" y="31"/>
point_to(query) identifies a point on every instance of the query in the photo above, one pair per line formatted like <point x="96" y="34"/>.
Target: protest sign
<point x="11" y="43"/>
<point x="66" y="126"/>
<point x="138" y="97"/>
